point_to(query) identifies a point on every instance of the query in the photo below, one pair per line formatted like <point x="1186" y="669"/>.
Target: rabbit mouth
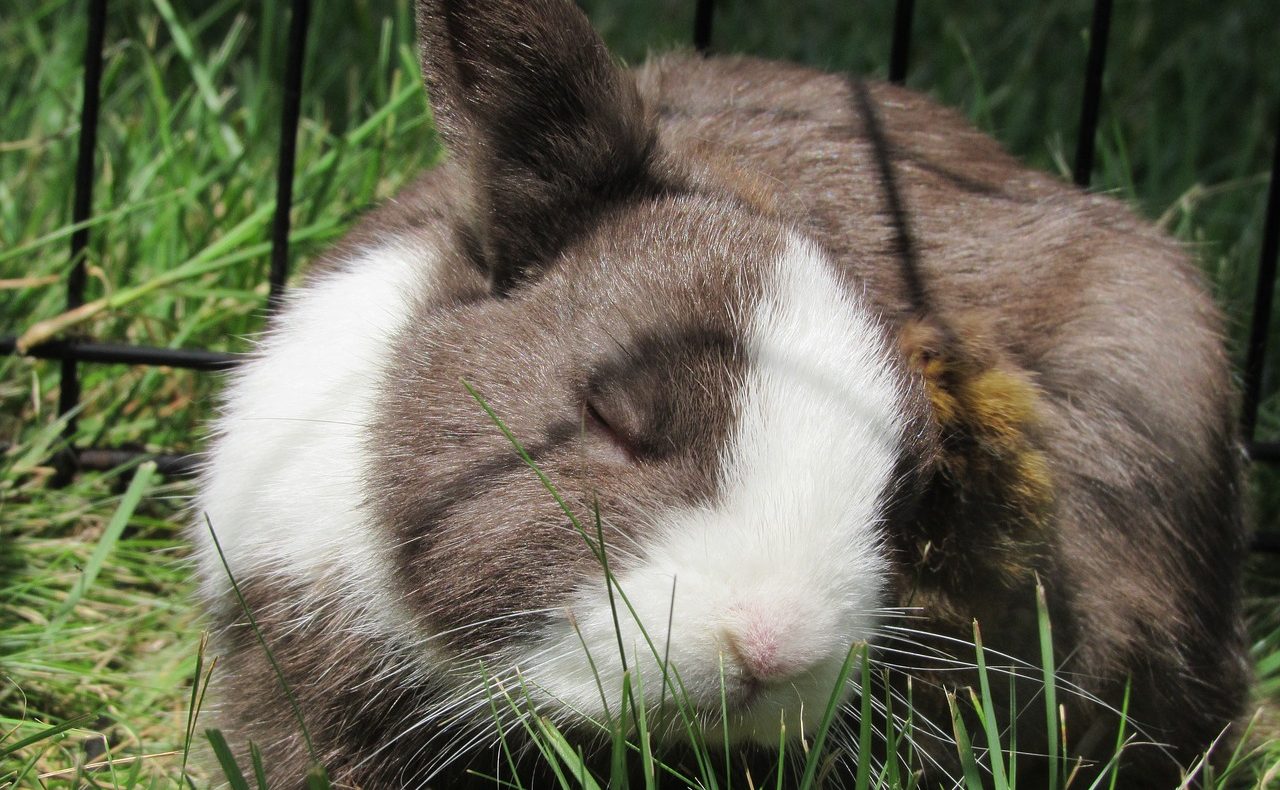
<point x="752" y="712"/>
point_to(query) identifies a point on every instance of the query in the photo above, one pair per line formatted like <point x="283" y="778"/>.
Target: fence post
<point x="1263" y="295"/>
<point x="292" y="90"/>
<point x="702" y="17"/>
<point x="82" y="209"/>
<point x="1099" y="33"/>
<point x="901" y="51"/>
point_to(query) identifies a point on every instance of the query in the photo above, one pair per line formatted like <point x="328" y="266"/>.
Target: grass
<point x="96" y="635"/>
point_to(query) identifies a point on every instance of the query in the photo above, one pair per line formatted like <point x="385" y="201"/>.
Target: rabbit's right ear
<point x="530" y="103"/>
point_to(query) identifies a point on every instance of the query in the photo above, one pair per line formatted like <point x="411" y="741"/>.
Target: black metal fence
<point x="73" y="352"/>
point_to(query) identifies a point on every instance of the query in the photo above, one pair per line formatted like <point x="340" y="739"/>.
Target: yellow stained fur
<point x="988" y="414"/>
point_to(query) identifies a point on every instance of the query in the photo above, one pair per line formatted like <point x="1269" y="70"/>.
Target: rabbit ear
<point x="531" y="105"/>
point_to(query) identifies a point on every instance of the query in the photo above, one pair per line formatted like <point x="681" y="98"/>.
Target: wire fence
<point x="74" y="352"/>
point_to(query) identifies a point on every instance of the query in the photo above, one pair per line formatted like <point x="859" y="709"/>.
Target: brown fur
<point x="1068" y="381"/>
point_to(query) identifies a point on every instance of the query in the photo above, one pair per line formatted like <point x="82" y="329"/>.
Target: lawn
<point x="96" y="628"/>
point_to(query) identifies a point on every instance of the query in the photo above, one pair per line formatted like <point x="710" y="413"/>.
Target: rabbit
<point x="732" y="371"/>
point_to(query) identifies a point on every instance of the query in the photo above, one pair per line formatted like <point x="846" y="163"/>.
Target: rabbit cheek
<point x="500" y="567"/>
<point x="767" y="586"/>
<point x="282" y="486"/>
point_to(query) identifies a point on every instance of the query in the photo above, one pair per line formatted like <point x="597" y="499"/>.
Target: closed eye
<point x="596" y="423"/>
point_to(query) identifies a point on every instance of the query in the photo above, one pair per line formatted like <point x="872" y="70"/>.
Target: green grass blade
<point x="318" y="778"/>
<point x="724" y="726"/>
<point x="909" y="728"/>
<point x="1121" y="735"/>
<point x="964" y="747"/>
<point x="103" y="218"/>
<point x="666" y="656"/>
<point x="230" y="768"/>
<point x="618" y="755"/>
<point x="856" y="652"/>
<point x="259" y="770"/>
<point x="864" y="726"/>
<point x="124" y="511"/>
<point x="262" y="642"/>
<point x="1237" y="754"/>
<point x="892" y="737"/>
<point x="603" y="555"/>
<point x="15" y="778"/>
<point x="1050" y="676"/>
<point x="571" y="757"/>
<point x="782" y="749"/>
<point x="1013" y="731"/>
<point x="503" y="743"/>
<point x="642" y="733"/>
<point x="987" y="715"/>
<point x="595" y="672"/>
<point x="51" y="732"/>
<point x="197" y="698"/>
<point x="533" y="727"/>
<point x="182" y="42"/>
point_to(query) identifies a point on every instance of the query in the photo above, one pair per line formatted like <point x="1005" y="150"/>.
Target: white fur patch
<point x="282" y="486"/>
<point x="790" y="554"/>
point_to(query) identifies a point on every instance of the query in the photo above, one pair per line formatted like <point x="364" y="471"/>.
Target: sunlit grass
<point x="96" y="631"/>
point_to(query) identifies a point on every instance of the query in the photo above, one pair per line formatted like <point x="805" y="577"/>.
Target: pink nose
<point x="764" y="651"/>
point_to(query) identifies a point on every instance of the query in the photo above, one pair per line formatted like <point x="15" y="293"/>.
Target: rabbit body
<point x="819" y="363"/>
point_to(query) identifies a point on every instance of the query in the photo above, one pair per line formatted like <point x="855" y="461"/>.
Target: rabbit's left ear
<point x="532" y="106"/>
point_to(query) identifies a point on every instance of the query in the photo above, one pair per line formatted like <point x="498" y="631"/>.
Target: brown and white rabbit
<point x="830" y="367"/>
